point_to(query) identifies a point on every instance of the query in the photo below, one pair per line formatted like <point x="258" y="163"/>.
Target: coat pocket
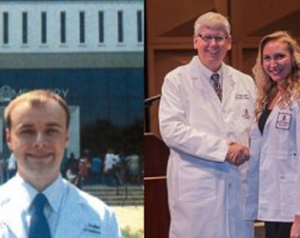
<point x="287" y="195"/>
<point x="196" y="183"/>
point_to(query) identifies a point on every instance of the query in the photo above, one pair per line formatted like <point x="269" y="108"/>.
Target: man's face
<point x="38" y="137"/>
<point x="212" y="46"/>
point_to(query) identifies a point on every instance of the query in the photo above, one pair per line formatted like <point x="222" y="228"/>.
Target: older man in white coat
<point x="206" y="125"/>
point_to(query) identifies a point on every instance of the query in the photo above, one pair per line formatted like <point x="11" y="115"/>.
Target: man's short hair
<point x="212" y="20"/>
<point x="35" y="98"/>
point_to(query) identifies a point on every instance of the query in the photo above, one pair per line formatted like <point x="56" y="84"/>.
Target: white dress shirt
<point x="54" y="193"/>
<point x="71" y="213"/>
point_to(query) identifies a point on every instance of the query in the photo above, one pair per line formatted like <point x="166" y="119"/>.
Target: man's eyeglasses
<point x="218" y="39"/>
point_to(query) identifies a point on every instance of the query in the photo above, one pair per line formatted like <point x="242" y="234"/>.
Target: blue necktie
<point x="39" y="227"/>
<point x="217" y="85"/>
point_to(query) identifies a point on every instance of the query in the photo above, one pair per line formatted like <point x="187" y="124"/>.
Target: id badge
<point x="283" y="121"/>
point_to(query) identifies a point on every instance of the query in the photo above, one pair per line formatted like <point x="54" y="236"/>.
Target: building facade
<point x="89" y="52"/>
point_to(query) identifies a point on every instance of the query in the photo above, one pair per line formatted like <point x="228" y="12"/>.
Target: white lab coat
<point x="205" y="193"/>
<point x="81" y="215"/>
<point x="273" y="191"/>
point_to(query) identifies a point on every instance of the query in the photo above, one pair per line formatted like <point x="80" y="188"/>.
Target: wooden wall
<point x="169" y="35"/>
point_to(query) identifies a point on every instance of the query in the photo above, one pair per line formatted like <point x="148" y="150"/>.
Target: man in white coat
<point x="207" y="126"/>
<point x="37" y="202"/>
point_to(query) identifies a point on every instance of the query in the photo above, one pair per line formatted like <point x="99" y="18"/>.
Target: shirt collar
<point x="54" y="192"/>
<point x="207" y="72"/>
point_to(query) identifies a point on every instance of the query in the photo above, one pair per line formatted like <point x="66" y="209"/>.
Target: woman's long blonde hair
<point x="266" y="87"/>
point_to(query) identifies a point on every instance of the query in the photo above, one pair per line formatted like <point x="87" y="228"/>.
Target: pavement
<point x="131" y="218"/>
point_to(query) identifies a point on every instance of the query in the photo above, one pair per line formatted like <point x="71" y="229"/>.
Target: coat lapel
<point x="271" y="117"/>
<point x="76" y="218"/>
<point x="71" y="222"/>
<point x="201" y="86"/>
<point x="13" y="221"/>
<point x="229" y="87"/>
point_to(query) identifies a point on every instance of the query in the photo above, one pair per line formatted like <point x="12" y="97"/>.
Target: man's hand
<point x="237" y="154"/>
<point x="295" y="230"/>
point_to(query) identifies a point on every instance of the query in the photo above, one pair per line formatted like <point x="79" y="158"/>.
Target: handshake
<point x="237" y="154"/>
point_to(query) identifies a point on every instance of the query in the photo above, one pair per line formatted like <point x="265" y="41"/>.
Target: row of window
<point x="82" y="28"/>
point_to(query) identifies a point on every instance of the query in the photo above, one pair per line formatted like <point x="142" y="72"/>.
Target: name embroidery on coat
<point x="242" y="97"/>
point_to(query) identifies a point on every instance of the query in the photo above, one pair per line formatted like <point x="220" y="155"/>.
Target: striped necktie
<point x="215" y="78"/>
<point x="39" y="227"/>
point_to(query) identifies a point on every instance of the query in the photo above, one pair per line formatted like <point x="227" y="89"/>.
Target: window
<point x="81" y="27"/>
<point x="5" y="27"/>
<point x="24" y="28"/>
<point x="101" y="26"/>
<point x="120" y="27"/>
<point x="63" y="27"/>
<point x="44" y="27"/>
<point x="139" y="26"/>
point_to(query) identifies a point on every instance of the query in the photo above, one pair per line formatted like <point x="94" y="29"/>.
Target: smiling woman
<point x="273" y="179"/>
<point x="277" y="61"/>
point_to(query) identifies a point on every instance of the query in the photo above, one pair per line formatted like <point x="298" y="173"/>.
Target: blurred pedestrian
<point x="72" y="170"/>
<point x="133" y="166"/>
<point x="96" y="170"/>
<point x="84" y="169"/>
<point x="108" y="167"/>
